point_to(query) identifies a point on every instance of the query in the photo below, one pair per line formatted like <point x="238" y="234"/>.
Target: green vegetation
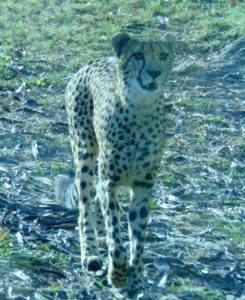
<point x="59" y="48"/>
<point x="5" y="67"/>
<point x="29" y="257"/>
<point x="5" y="242"/>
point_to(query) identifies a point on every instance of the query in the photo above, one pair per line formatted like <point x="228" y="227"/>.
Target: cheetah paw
<point x="92" y="263"/>
<point x="135" y="288"/>
<point x="118" y="278"/>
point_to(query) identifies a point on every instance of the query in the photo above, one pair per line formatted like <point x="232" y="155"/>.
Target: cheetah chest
<point x="129" y="151"/>
<point x="143" y="157"/>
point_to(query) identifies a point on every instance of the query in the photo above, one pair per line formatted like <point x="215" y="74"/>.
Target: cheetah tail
<point x="65" y="191"/>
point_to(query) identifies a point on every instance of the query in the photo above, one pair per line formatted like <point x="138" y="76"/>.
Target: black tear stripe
<point x="127" y="61"/>
<point x="140" y="71"/>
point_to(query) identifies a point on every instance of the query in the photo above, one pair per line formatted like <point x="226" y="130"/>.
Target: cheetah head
<point x="144" y="65"/>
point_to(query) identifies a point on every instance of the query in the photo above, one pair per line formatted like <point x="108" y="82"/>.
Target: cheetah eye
<point x="139" y="55"/>
<point x="163" y="56"/>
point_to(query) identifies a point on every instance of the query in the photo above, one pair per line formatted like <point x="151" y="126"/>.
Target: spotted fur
<point x="116" y="115"/>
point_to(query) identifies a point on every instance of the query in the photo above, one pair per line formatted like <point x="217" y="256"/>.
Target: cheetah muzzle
<point x="115" y="109"/>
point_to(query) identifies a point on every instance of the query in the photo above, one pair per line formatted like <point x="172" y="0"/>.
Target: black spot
<point x="83" y="184"/>
<point x="125" y="168"/>
<point x="85" y="156"/>
<point x="128" y="154"/>
<point x="117" y="156"/>
<point x="138" y="235"/>
<point x="77" y="98"/>
<point x="148" y="176"/>
<point x="111" y="205"/>
<point x="83" y="136"/>
<point x="85" y="169"/>
<point x="146" y="165"/>
<point x="139" y="269"/>
<point x="84" y="199"/>
<point x="117" y="253"/>
<point x="116" y="178"/>
<point x="114" y="221"/>
<point x="143" y="212"/>
<point x="132" y="215"/>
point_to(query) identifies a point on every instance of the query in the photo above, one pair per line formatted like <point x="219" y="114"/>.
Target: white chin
<point x="150" y="91"/>
<point x="144" y="97"/>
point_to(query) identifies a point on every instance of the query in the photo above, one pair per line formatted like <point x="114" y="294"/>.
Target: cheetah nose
<point x="154" y="74"/>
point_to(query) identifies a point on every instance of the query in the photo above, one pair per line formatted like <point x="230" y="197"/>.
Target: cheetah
<point x="115" y="109"/>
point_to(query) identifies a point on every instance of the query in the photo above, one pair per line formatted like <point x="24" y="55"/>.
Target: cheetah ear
<point x="119" y="41"/>
<point x="170" y="39"/>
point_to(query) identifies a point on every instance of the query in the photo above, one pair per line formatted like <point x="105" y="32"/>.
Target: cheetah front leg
<point x="117" y="271"/>
<point x="138" y="216"/>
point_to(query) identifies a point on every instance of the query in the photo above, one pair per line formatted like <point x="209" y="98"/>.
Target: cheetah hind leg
<point x="66" y="194"/>
<point x="89" y="245"/>
<point x="87" y="228"/>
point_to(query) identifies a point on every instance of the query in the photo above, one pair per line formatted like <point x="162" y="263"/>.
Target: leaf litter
<point x="195" y="243"/>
